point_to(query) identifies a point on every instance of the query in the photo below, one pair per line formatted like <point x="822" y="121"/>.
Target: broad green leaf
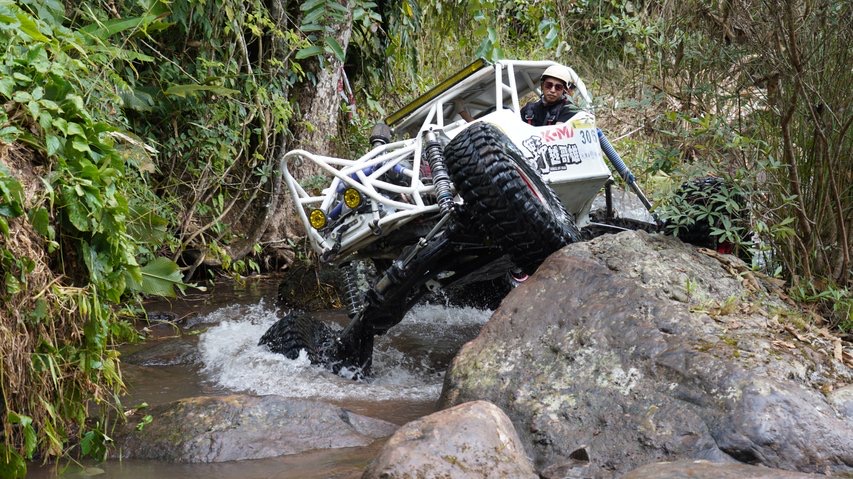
<point x="23" y="78"/>
<point x="29" y="27"/>
<point x="40" y="220"/>
<point x="137" y="100"/>
<point x="34" y="108"/>
<point x="53" y="143"/>
<point x="9" y="134"/>
<point x="75" y="129"/>
<point x="7" y="86"/>
<point x="11" y="194"/>
<point x="159" y="277"/>
<point x="336" y="48"/>
<point x="311" y="5"/>
<point x="49" y="105"/>
<point x="188" y="90"/>
<point x="96" y="262"/>
<point x="22" y="96"/>
<point x="551" y="38"/>
<point x="313" y="17"/>
<point x="146" y="226"/>
<point x="76" y="100"/>
<point x="80" y="144"/>
<point x="26" y="424"/>
<point x="13" y="465"/>
<point x="337" y="6"/>
<point x="61" y="124"/>
<point x="13" y="286"/>
<point x="307" y="52"/>
<point x="76" y="213"/>
<point x="104" y="30"/>
<point x="39" y="312"/>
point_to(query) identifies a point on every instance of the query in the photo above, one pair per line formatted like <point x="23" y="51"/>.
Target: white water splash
<point x="232" y="358"/>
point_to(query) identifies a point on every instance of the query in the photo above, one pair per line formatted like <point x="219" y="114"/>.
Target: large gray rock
<point x="711" y="470"/>
<point x="637" y="348"/>
<point x="474" y="440"/>
<point x="230" y="428"/>
<point x="165" y="353"/>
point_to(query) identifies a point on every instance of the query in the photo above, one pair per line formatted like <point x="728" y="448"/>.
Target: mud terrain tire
<point x="699" y="194"/>
<point x="297" y="331"/>
<point x="506" y="197"/>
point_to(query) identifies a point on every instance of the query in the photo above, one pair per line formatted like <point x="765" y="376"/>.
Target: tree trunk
<point x="315" y="128"/>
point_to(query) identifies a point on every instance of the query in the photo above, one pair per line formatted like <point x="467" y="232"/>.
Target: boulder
<point x="165" y="353"/>
<point x="636" y="348"/>
<point x="235" y="427"/>
<point x="474" y="440"/>
<point x="711" y="470"/>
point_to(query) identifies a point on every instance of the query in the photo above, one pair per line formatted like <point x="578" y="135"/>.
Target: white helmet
<point x="560" y="73"/>
<point x="571" y="79"/>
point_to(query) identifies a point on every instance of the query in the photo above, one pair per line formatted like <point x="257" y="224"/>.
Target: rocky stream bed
<point x="630" y="355"/>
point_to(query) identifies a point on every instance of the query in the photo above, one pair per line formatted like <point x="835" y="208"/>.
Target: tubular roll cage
<point x="431" y="112"/>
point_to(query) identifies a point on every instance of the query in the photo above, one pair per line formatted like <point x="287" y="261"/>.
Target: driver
<point x="555" y="104"/>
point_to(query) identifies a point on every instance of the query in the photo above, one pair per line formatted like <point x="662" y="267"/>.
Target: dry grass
<point x="41" y="331"/>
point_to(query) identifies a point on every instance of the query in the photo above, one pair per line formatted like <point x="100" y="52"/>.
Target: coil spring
<point x="352" y="298"/>
<point x="440" y="178"/>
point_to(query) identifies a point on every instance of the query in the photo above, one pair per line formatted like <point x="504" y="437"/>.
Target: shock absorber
<point x="625" y="173"/>
<point x="615" y="159"/>
<point x="440" y="178"/>
<point x="352" y="299"/>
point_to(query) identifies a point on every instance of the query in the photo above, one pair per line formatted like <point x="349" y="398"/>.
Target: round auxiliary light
<point x="352" y="198"/>
<point x="317" y="218"/>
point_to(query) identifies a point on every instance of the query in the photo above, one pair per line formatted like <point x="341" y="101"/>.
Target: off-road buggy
<point x="449" y="205"/>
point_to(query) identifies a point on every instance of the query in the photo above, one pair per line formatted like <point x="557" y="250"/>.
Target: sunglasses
<point x="553" y="86"/>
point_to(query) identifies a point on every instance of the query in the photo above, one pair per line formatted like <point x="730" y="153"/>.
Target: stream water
<point x="211" y="349"/>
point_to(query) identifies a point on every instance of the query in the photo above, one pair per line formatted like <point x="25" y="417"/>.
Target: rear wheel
<point x="506" y="197"/>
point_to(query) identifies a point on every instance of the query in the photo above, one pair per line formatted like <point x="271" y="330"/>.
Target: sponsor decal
<point x="552" y="157"/>
<point x="560" y="132"/>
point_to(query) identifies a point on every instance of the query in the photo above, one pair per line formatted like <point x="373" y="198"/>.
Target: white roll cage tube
<point x="351" y="232"/>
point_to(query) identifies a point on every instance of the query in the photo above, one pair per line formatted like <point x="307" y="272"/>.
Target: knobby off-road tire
<point x="699" y="193"/>
<point x="506" y="197"/>
<point x="297" y="330"/>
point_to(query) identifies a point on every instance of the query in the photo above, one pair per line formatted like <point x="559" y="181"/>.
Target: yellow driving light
<point x="317" y="218"/>
<point x="352" y="198"/>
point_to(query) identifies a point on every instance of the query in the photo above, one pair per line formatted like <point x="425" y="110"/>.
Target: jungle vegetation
<point x="139" y="143"/>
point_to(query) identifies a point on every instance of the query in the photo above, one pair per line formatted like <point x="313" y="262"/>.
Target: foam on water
<point x="232" y="358"/>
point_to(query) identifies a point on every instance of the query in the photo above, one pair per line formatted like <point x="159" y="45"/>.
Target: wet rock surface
<point x="709" y="470"/>
<point x="236" y="427"/>
<point x="637" y="348"/>
<point x="165" y="353"/>
<point x="475" y="440"/>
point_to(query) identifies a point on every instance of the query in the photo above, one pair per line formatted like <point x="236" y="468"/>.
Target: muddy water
<point x="208" y="346"/>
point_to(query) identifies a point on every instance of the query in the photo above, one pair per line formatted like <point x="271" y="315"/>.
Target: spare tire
<point x="699" y="195"/>
<point x="506" y="197"/>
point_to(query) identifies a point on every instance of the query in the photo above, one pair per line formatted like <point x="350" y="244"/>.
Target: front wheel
<point x="507" y="198"/>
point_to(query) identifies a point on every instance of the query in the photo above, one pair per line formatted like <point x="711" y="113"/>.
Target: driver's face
<point x="552" y="89"/>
